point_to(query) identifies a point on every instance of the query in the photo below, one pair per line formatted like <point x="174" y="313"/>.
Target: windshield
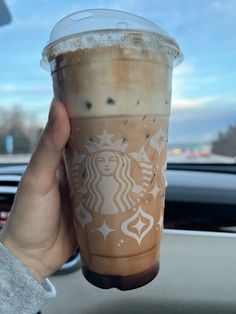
<point x="203" y="115"/>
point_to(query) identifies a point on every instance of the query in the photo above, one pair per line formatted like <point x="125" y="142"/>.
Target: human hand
<point x="3" y="218"/>
<point x="39" y="230"/>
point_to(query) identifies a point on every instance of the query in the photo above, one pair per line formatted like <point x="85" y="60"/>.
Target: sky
<point x="204" y="89"/>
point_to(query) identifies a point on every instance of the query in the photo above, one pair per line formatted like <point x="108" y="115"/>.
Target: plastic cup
<point x="113" y="71"/>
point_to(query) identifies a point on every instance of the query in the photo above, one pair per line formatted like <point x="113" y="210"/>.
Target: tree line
<point x="23" y="128"/>
<point x="26" y="131"/>
<point x="225" y="144"/>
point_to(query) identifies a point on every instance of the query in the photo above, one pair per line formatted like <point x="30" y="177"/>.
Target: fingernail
<point x="52" y="116"/>
<point x="4" y="215"/>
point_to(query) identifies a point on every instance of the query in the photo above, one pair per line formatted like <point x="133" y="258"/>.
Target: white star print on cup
<point x="143" y="227"/>
<point x="104" y="230"/>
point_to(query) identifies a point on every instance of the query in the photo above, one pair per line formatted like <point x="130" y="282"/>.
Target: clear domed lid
<point x="105" y="19"/>
<point x="101" y="19"/>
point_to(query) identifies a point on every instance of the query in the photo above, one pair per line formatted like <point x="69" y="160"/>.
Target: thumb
<point x="47" y="155"/>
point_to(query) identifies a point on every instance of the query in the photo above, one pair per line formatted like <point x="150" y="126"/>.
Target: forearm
<point x="20" y="292"/>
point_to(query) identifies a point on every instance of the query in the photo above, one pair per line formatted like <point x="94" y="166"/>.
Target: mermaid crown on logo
<point x="105" y="143"/>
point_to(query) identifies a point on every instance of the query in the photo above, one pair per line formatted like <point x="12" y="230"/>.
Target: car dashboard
<point x="198" y="252"/>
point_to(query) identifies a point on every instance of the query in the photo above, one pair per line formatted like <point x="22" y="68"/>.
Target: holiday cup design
<point x="108" y="168"/>
<point x="109" y="188"/>
<point x="128" y="225"/>
<point x="117" y="187"/>
<point x="115" y="83"/>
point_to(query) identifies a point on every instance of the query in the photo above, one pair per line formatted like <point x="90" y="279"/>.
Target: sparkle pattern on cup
<point x="118" y="182"/>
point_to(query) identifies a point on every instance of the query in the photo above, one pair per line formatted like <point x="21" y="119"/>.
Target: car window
<point x="202" y="124"/>
<point x="200" y="200"/>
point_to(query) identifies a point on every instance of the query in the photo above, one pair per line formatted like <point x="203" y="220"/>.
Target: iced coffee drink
<point x="116" y="86"/>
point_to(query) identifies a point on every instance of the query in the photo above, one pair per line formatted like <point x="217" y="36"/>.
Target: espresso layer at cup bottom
<point x="121" y="282"/>
<point x="121" y="266"/>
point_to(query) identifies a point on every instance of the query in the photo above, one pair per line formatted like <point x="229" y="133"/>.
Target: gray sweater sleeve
<point x="20" y="292"/>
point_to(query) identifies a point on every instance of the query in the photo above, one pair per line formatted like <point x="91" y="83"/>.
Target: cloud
<point x="26" y="88"/>
<point x="191" y="103"/>
<point x="34" y="21"/>
<point x="183" y="69"/>
<point x="180" y="83"/>
<point x="224" y="8"/>
<point x="201" y="123"/>
<point x="192" y="87"/>
<point x="209" y="136"/>
<point x="31" y="97"/>
<point x="11" y="3"/>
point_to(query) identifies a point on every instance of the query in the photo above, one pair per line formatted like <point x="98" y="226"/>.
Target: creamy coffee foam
<point x="136" y="79"/>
